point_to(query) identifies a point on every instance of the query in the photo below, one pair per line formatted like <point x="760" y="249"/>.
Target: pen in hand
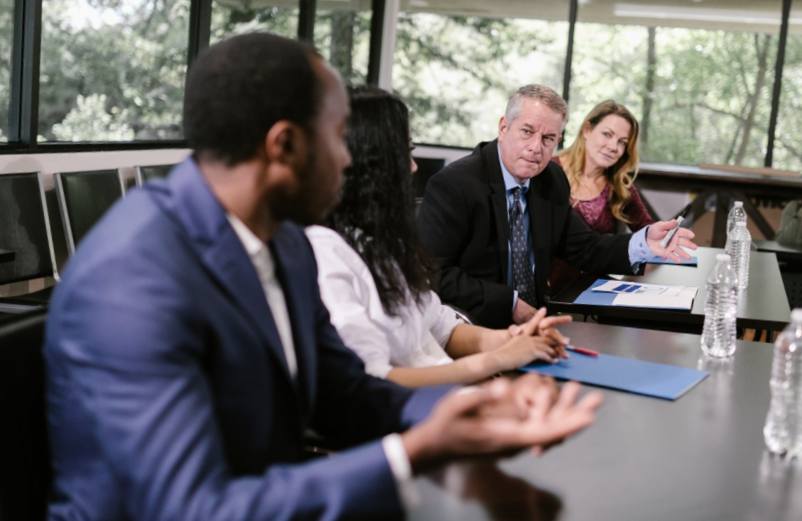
<point x="670" y="235"/>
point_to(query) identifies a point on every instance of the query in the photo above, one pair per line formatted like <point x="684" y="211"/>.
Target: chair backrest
<point x="427" y="167"/>
<point x="83" y="198"/>
<point x="24" y="228"/>
<point x="25" y="471"/>
<point x="147" y="173"/>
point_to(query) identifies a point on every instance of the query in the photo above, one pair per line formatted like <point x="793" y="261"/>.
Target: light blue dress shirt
<point x="638" y="249"/>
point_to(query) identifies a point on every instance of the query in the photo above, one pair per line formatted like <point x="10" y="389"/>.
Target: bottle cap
<point x="738" y="204"/>
<point x="726" y="257"/>
<point x="796" y="315"/>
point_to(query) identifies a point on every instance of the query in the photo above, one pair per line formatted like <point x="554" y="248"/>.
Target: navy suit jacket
<point x="463" y="225"/>
<point x="169" y="396"/>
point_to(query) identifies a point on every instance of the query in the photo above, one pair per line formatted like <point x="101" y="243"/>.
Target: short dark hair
<point x="376" y="215"/>
<point x="239" y="88"/>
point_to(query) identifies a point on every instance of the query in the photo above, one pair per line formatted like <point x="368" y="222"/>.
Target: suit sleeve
<point x="444" y="226"/>
<point x="151" y="410"/>
<point x="591" y="251"/>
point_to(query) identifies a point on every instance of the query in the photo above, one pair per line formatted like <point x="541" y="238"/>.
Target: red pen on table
<point x="582" y="350"/>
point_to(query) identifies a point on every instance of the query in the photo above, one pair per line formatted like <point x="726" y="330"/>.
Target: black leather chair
<point x="25" y="231"/>
<point x="83" y="198"/>
<point x="427" y="167"/>
<point x="25" y="472"/>
<point x="147" y="173"/>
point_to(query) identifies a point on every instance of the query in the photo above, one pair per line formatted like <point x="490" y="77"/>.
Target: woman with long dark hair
<point x="375" y="281"/>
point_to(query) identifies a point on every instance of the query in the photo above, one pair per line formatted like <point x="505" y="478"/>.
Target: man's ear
<point x="502" y="125"/>
<point x="286" y="144"/>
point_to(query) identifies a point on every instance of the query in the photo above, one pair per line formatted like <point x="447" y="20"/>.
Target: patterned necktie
<point x="522" y="277"/>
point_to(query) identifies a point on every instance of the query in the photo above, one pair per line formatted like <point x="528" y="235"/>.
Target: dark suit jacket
<point x="168" y="391"/>
<point x="463" y="225"/>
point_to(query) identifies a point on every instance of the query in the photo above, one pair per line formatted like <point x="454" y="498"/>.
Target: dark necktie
<point x="522" y="277"/>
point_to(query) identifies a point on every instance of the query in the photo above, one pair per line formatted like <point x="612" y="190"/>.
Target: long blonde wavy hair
<point x="622" y="174"/>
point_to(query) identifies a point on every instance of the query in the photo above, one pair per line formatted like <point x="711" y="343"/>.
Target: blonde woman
<point x="601" y="165"/>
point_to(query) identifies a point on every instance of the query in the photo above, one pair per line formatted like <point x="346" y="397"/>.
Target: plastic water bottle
<point x="739" y="244"/>
<point x="783" y="432"/>
<point x="721" y="301"/>
<point x="737" y="214"/>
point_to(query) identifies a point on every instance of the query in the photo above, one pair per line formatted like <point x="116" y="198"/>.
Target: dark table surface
<point x="6" y="255"/>
<point x="764" y="304"/>
<point x="784" y="253"/>
<point x="701" y="457"/>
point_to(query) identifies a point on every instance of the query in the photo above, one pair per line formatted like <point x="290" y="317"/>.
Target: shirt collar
<point x="509" y="181"/>
<point x="249" y="240"/>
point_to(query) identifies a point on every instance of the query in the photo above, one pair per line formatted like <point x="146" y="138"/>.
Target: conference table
<point x="699" y="457"/>
<point x="763" y="305"/>
<point x="785" y="254"/>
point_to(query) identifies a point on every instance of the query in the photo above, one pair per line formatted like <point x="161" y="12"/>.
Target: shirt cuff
<point x="514" y="300"/>
<point x="402" y="470"/>
<point x="638" y="248"/>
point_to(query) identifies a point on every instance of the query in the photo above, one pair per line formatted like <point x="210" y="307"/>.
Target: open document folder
<point x="604" y="292"/>
<point x="626" y="374"/>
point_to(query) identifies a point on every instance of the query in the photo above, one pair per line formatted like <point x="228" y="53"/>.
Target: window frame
<point x="25" y="58"/>
<point x="23" y="124"/>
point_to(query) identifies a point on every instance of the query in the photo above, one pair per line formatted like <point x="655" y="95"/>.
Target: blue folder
<point x="626" y="374"/>
<point x="601" y="298"/>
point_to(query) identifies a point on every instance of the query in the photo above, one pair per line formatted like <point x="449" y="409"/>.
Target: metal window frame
<point x="25" y="65"/>
<point x="779" y="65"/>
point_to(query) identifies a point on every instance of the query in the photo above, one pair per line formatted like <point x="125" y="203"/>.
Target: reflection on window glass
<point x="231" y="17"/>
<point x="342" y="35"/>
<point x="6" y="35"/>
<point x="699" y="78"/>
<point x="456" y="71"/>
<point x="788" y="138"/>
<point x="112" y="70"/>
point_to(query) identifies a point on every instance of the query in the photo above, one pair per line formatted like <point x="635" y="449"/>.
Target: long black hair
<point x="376" y="215"/>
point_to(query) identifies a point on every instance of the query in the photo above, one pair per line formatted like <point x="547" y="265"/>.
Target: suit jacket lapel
<point x="222" y="253"/>
<point x="294" y="278"/>
<point x="540" y="229"/>
<point x="498" y="201"/>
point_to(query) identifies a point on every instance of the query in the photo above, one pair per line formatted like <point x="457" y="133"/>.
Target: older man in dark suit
<point x="188" y="349"/>
<point x="493" y="220"/>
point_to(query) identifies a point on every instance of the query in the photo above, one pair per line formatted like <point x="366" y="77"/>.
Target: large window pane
<point x="698" y="76"/>
<point x="788" y="138"/>
<point x="342" y="34"/>
<point x="6" y="38"/>
<point x="112" y="70"/>
<point x="230" y="17"/>
<point x="457" y="69"/>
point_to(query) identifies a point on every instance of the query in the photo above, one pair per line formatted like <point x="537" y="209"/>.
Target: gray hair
<point x="535" y="92"/>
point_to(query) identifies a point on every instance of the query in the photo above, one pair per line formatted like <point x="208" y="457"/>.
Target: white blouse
<point x="414" y="338"/>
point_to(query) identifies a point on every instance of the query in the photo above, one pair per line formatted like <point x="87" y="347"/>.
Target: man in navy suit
<point x="188" y="349"/>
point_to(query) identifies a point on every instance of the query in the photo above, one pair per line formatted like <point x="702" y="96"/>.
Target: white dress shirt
<point x="266" y="269"/>
<point x="416" y="337"/>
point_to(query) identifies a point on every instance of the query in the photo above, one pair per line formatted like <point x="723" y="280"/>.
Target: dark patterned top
<point x="597" y="214"/>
